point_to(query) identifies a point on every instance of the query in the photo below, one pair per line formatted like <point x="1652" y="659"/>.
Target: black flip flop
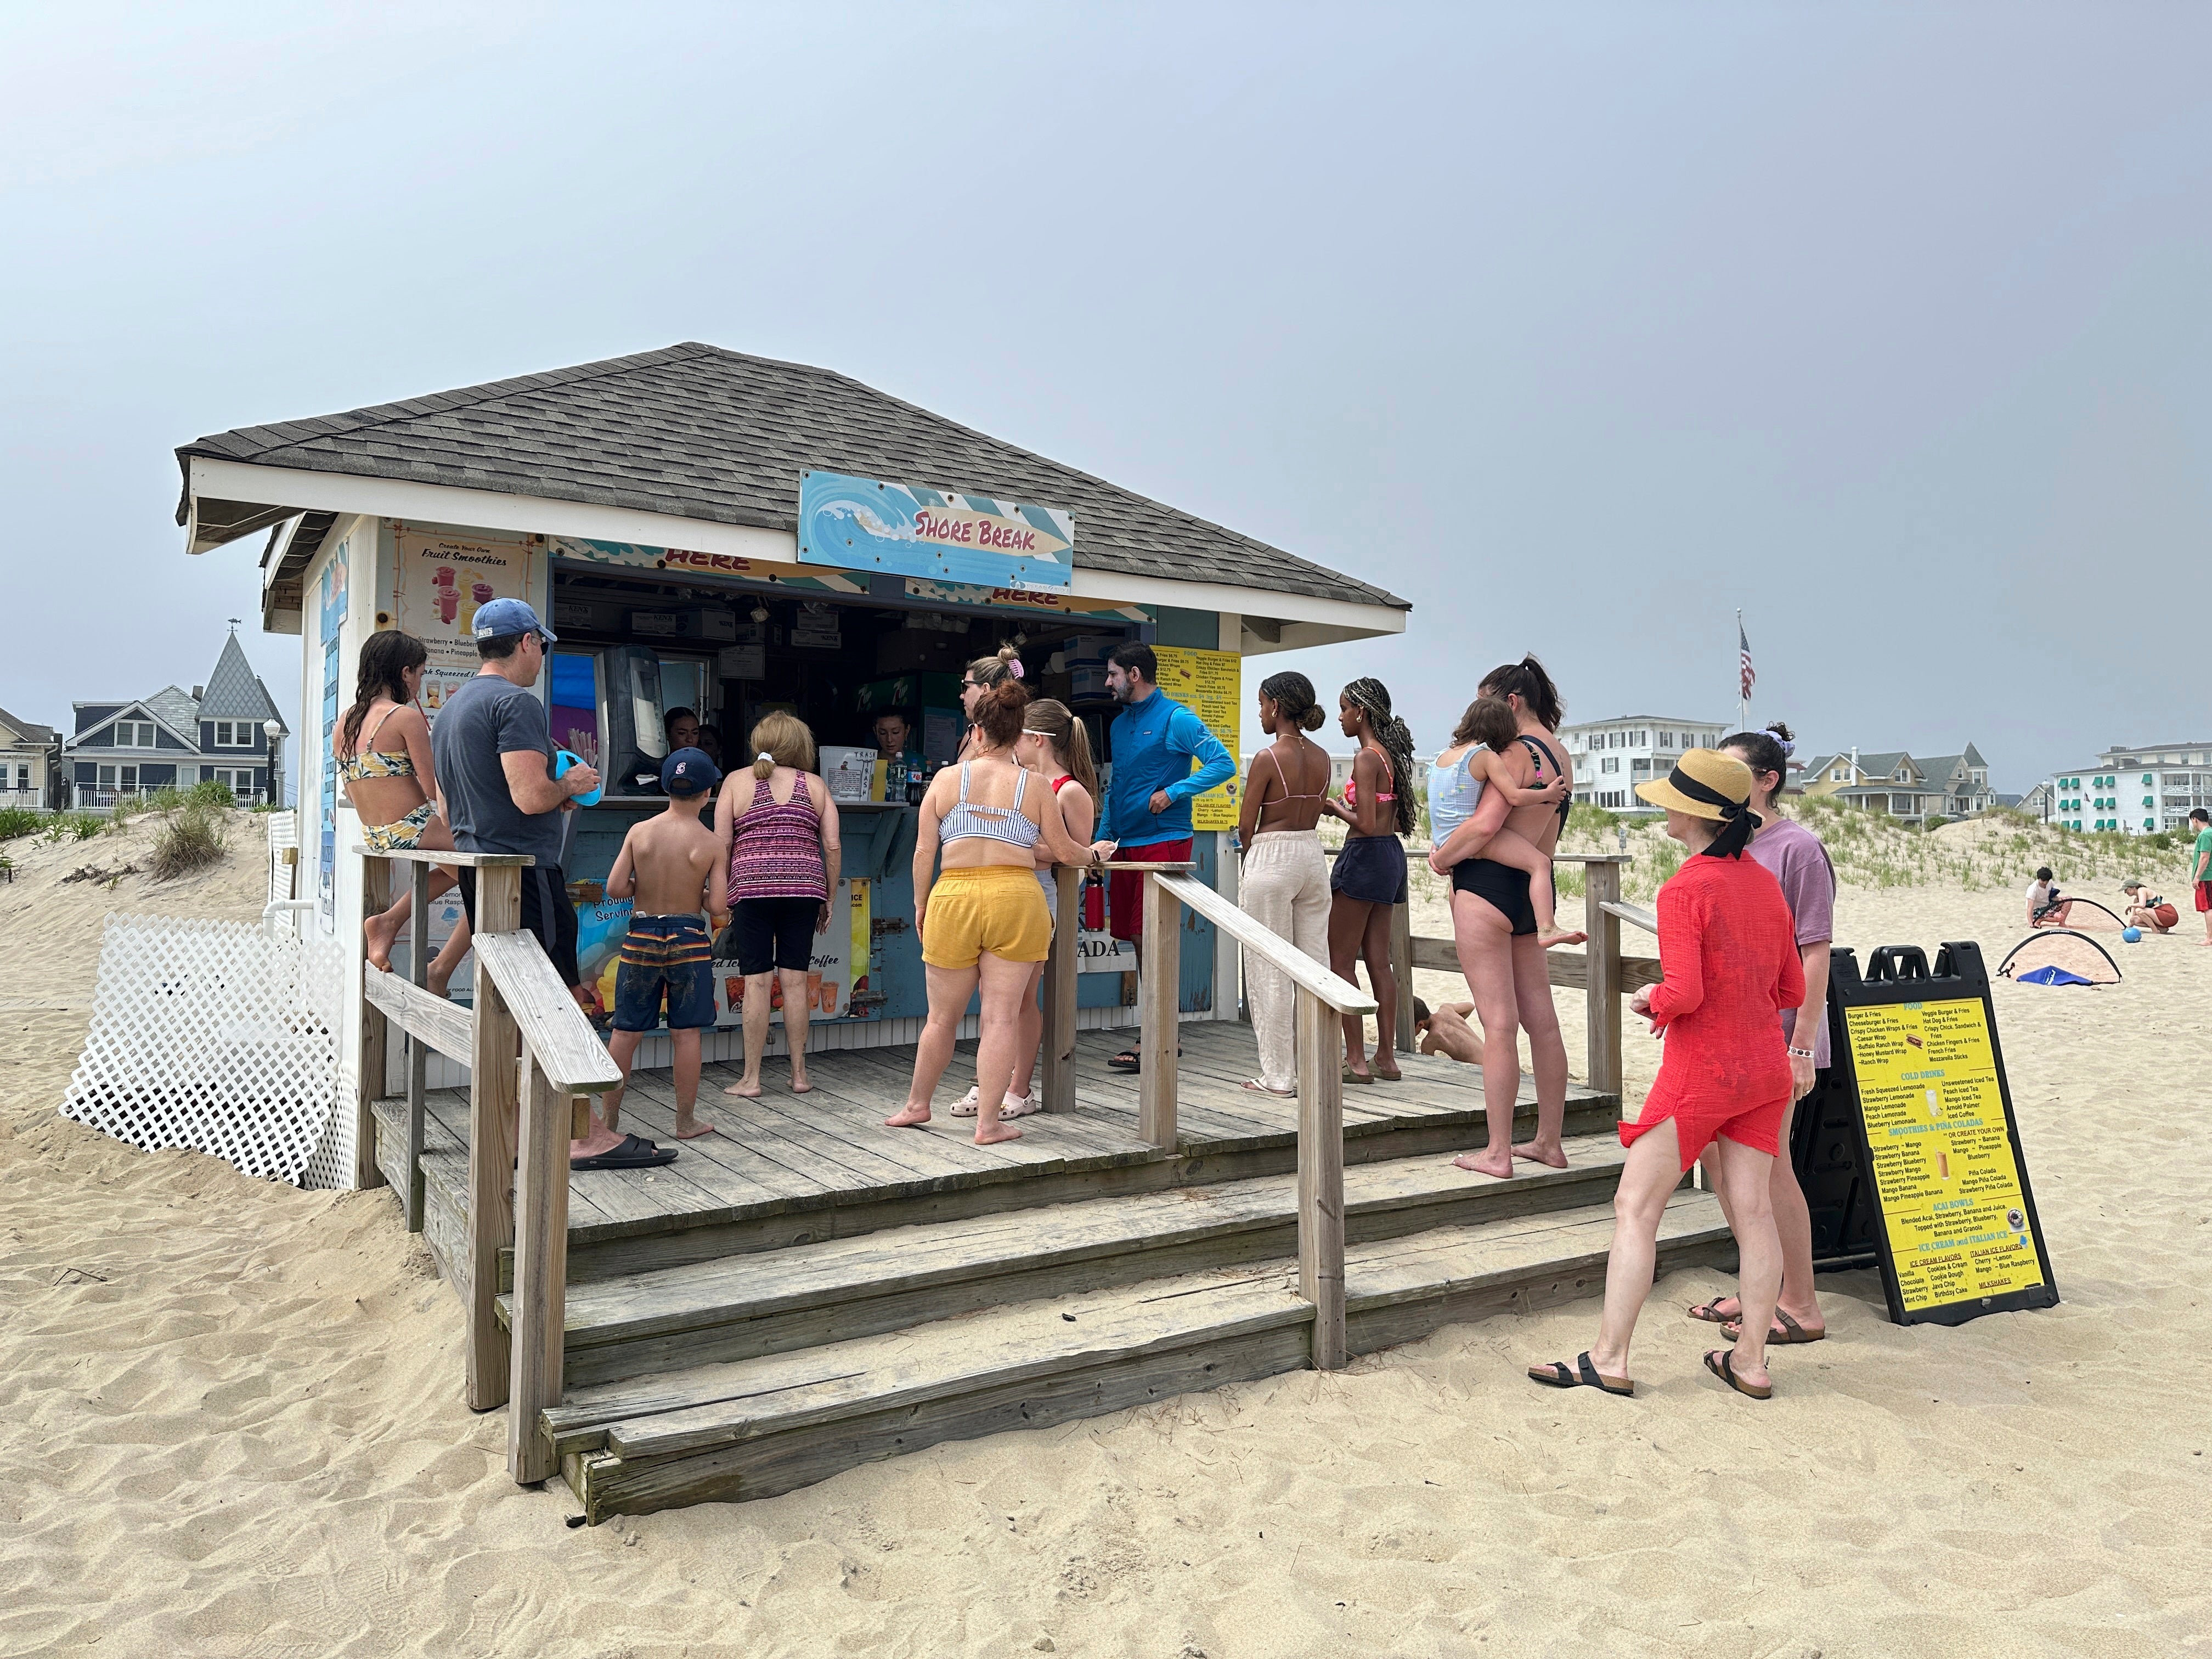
<point x="1128" y="1060"/>
<point x="1584" y="1375"/>
<point x="1726" y="1371"/>
<point x="631" y="1154"/>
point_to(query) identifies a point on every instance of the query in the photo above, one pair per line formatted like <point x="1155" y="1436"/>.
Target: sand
<point x="233" y="1427"/>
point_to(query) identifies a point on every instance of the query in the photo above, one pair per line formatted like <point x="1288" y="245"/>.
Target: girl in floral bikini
<point x="392" y="788"/>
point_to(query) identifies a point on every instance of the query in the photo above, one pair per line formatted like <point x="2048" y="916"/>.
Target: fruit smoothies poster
<point x="444" y="581"/>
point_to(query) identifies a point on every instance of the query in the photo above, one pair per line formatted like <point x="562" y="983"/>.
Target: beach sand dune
<point x="230" y="1425"/>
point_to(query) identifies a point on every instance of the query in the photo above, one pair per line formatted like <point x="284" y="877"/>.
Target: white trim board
<point x="488" y="509"/>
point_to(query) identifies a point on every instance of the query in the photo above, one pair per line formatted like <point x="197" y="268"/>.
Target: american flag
<point x="1747" y="675"/>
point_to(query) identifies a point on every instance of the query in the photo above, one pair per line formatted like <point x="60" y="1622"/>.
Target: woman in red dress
<point x="1728" y="955"/>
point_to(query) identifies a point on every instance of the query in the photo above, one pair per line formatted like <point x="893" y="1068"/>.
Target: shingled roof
<point x="702" y="433"/>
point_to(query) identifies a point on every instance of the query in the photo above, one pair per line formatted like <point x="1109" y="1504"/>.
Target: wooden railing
<point x="1322" y="999"/>
<point x="531" y="1055"/>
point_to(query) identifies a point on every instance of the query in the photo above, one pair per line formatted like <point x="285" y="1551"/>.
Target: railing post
<point x="418" y="1053"/>
<point x="1402" y="966"/>
<point x="541" y="1272"/>
<point x="1059" y="994"/>
<point x="1161" y="954"/>
<point x="492" y="1109"/>
<point x="1602" y="885"/>
<point x="376" y="894"/>
<point x="1321" y="1175"/>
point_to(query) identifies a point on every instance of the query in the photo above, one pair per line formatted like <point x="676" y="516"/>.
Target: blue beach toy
<point x="2132" y="935"/>
<point x="562" y="760"/>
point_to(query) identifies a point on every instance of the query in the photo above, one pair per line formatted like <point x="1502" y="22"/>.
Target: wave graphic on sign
<point x="863" y="524"/>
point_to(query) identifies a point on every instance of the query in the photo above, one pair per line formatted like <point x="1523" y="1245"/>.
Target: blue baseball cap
<point x="503" y="616"/>
<point x="688" y="772"/>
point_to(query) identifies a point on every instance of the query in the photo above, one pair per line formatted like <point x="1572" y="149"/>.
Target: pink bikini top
<point x="1351" y="787"/>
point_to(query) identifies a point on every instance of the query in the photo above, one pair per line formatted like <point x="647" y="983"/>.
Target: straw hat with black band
<point x="1707" y="784"/>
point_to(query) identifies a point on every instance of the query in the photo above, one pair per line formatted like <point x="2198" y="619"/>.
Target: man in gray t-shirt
<point x="494" y="760"/>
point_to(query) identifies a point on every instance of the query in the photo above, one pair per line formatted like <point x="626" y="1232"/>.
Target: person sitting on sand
<point x="1445" y="1030"/>
<point x="2147" y="909"/>
<point x="2044" y="907"/>
<point x="671" y="867"/>
<point x="392" y="788"/>
<point x="1728" y="950"/>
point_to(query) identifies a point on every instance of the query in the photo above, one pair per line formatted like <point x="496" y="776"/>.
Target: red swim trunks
<point x="2204" y="895"/>
<point x="1697" y="1127"/>
<point x="1124" y="889"/>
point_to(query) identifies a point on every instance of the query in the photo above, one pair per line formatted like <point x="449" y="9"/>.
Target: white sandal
<point x="966" y="1105"/>
<point x="1018" y="1106"/>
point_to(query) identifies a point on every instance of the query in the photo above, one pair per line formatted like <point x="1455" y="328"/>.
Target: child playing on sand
<point x="671" y="865"/>
<point x="1456" y="780"/>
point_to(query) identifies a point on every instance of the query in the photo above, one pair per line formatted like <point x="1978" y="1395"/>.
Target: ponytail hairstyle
<point x="782" y="740"/>
<point x="1292" y="694"/>
<point x="1763" y="752"/>
<point x="1006" y="663"/>
<point x="385" y="656"/>
<point x="1070" y="739"/>
<point x="1373" y="697"/>
<point x="998" y="711"/>
<point x="1527" y="680"/>
<point x="1489" y="721"/>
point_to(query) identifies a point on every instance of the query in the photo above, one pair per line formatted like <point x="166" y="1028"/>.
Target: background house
<point x="1908" y="789"/>
<point x="27" y="762"/>
<point x="2135" y="789"/>
<point x="120" y="750"/>
<point x="1611" y="758"/>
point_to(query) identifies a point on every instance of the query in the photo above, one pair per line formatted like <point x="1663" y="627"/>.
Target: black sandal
<point x="1128" y="1060"/>
<point x="1584" y="1375"/>
<point x="1726" y="1371"/>
<point x="631" y="1153"/>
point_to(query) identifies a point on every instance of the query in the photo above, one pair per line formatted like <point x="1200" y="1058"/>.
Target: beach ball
<point x="2132" y="935"/>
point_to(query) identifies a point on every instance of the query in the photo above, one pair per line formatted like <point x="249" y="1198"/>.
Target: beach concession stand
<point x="729" y="534"/>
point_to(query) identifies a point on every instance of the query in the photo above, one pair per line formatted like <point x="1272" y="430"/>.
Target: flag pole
<point x="1743" y="686"/>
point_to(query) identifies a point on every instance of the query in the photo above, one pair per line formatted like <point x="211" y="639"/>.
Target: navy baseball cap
<point x="688" y="772"/>
<point x="504" y="616"/>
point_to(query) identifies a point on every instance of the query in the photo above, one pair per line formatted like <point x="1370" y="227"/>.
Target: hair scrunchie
<point x="765" y="756"/>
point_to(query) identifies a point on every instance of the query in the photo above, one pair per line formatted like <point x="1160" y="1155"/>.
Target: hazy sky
<point x="1580" y="327"/>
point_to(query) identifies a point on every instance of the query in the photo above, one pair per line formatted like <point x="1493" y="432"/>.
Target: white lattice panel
<point x="212" y="1034"/>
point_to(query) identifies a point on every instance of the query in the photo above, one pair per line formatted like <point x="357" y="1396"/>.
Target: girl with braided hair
<point x="1370" y="878"/>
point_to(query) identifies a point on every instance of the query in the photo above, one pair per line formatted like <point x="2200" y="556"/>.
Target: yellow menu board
<point x="1957" y="1224"/>
<point x="1211" y="684"/>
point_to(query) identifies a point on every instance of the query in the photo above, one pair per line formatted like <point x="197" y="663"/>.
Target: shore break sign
<point x="911" y="530"/>
<point x="1958" y="1235"/>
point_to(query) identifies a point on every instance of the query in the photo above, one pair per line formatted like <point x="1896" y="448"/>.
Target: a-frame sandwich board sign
<point x="1954" y="1227"/>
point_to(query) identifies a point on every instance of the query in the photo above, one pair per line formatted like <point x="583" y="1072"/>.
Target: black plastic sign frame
<point x="1952" y="1219"/>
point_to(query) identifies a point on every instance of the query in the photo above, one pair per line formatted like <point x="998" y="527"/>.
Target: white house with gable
<point x="1611" y="758"/>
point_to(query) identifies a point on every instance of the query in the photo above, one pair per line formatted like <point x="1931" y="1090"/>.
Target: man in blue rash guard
<point x="1145" y="817"/>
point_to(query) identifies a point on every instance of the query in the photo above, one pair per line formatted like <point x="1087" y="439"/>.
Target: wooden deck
<point x="791" y="1168"/>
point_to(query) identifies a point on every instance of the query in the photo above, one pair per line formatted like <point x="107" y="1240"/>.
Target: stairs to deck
<point x="752" y="1428"/>
<point x="810" y="1290"/>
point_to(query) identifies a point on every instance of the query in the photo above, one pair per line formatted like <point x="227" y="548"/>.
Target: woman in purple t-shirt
<point x="1794" y="856"/>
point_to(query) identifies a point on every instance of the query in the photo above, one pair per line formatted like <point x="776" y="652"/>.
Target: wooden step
<point x="756" y="1427"/>
<point x="622" y="1224"/>
<point x="741" y="1307"/>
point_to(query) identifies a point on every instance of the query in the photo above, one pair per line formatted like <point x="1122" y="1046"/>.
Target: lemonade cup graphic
<point x="828" y="999"/>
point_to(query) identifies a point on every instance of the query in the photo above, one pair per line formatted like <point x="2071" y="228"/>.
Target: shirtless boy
<point x="672" y="866"/>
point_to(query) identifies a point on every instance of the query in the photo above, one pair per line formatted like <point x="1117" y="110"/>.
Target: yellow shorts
<point x="997" y="908"/>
